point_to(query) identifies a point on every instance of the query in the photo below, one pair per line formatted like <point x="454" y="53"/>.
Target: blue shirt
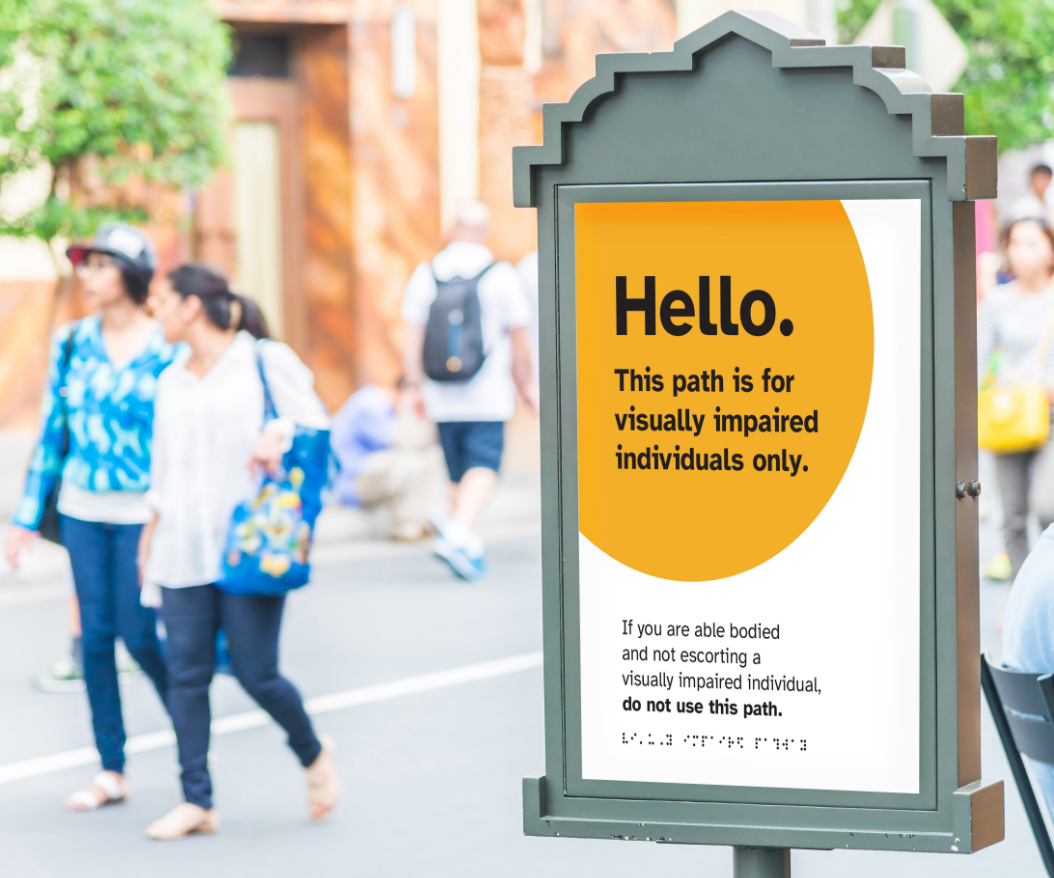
<point x="110" y="413"/>
<point x="1028" y="632"/>
<point x="364" y="424"/>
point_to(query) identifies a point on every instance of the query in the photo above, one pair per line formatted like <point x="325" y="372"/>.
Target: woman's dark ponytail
<point x="218" y="300"/>
<point x="252" y="318"/>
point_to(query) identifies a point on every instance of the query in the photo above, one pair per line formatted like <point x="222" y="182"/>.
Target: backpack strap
<point x="479" y="276"/>
<point x="270" y="413"/>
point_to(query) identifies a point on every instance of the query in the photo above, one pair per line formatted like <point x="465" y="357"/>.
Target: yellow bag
<point x="1014" y="418"/>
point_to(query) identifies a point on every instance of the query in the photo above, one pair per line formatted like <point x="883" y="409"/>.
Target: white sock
<point x="462" y="536"/>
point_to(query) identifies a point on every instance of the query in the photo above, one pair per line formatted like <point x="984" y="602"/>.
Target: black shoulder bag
<point x="49" y="521"/>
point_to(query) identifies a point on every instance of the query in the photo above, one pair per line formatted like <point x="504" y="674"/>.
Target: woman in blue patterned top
<point x="105" y="367"/>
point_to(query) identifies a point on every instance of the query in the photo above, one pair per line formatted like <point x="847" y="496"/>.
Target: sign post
<point x="759" y="451"/>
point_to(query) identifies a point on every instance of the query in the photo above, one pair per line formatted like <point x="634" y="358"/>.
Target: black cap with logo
<point x="123" y="242"/>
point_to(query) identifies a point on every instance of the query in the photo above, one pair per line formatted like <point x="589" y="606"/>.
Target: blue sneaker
<point x="461" y="563"/>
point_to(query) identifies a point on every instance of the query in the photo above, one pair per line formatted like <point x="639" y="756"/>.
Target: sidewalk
<point x="341" y="532"/>
<point x="516" y="504"/>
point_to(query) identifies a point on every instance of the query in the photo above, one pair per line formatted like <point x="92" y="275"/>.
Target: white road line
<point x="255" y="718"/>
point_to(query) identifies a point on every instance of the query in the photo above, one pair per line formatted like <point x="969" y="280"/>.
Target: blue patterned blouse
<point x="111" y="415"/>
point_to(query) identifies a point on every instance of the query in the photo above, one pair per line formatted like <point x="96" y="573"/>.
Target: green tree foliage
<point x="1008" y="83"/>
<point x="852" y="16"/>
<point x="106" y="91"/>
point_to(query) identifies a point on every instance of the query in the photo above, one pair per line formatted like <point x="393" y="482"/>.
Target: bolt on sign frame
<point x="751" y="108"/>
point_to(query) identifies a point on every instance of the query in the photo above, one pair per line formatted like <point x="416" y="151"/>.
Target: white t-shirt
<point x="1028" y="206"/>
<point x="490" y="394"/>
<point x="111" y="507"/>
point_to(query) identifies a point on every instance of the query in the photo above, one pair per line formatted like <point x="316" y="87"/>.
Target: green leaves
<point x="111" y="87"/>
<point x="1007" y="85"/>
<point x="58" y="218"/>
<point x="1008" y="82"/>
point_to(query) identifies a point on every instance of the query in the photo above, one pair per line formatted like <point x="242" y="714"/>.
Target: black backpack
<point x="454" y="333"/>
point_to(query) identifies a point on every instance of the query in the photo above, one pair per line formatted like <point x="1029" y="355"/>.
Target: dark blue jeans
<point x="103" y="557"/>
<point x="192" y="617"/>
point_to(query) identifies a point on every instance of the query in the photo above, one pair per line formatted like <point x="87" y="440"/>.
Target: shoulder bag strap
<point x="270" y="413"/>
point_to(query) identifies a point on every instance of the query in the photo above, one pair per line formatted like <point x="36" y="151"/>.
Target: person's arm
<point x="146" y="537"/>
<point x="159" y="471"/>
<point x="46" y="462"/>
<point x="522" y="373"/>
<point x="987" y="336"/>
<point x="413" y="365"/>
<point x="413" y="353"/>
<point x="417" y="300"/>
<point x="516" y="317"/>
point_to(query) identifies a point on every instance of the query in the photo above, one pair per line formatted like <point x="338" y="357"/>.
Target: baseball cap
<point x="123" y="242"/>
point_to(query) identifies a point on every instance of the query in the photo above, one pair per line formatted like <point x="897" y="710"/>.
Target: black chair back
<point x="1022" y="706"/>
<point x="1028" y="700"/>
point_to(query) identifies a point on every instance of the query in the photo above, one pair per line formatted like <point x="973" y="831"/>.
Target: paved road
<point x="433" y="779"/>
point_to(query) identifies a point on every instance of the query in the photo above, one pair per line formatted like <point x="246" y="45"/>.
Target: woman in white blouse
<point x="210" y="443"/>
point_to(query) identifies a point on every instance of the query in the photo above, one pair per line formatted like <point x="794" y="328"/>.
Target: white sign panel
<point x="749" y="464"/>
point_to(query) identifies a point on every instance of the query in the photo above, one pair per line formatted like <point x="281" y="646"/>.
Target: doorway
<point x="249" y="219"/>
<point x="258" y="210"/>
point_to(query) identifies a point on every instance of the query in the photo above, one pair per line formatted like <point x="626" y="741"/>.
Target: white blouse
<point x="204" y="432"/>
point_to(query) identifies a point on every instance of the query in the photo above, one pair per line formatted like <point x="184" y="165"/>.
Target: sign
<point x="757" y="323"/>
<point x="727" y="443"/>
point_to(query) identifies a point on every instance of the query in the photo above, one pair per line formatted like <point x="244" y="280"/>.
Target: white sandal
<point x="114" y="789"/>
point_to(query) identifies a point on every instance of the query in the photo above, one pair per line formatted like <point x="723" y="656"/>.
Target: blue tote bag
<point x="270" y="535"/>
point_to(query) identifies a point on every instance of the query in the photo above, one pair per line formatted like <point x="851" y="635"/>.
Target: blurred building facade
<point x="357" y="127"/>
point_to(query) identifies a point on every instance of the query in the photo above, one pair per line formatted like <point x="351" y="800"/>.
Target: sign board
<point x="757" y="351"/>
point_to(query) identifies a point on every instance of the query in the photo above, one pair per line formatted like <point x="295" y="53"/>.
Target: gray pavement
<point x="432" y="779"/>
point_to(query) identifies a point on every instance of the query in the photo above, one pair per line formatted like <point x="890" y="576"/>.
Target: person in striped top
<point x="1015" y="327"/>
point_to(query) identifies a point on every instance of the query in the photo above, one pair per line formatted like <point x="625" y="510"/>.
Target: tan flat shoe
<point x="184" y="820"/>
<point x="323" y="783"/>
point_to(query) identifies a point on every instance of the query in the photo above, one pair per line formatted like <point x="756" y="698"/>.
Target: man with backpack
<point x="466" y="352"/>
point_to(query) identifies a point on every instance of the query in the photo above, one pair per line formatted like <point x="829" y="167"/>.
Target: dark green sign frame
<point x="750" y="107"/>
